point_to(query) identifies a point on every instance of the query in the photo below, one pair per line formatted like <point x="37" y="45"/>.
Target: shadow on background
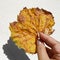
<point x="13" y="53"/>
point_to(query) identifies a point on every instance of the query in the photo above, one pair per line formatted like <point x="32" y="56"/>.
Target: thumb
<point x="41" y="51"/>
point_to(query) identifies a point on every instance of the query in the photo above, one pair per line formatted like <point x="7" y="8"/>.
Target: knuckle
<point x="57" y="48"/>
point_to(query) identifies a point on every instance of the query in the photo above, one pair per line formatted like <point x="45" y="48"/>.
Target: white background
<point x="8" y="13"/>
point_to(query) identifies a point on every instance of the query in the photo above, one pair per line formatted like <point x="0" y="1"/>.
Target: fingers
<point x="55" y="45"/>
<point x="56" y="49"/>
<point x="49" y="51"/>
<point x="56" y="56"/>
<point x="41" y="51"/>
<point x="48" y="40"/>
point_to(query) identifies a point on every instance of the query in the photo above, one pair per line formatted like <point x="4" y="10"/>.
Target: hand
<point x="45" y="53"/>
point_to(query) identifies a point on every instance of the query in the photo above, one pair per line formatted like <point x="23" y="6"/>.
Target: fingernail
<point x="38" y="42"/>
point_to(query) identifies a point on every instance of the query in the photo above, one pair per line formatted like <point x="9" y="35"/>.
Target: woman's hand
<point x="45" y="53"/>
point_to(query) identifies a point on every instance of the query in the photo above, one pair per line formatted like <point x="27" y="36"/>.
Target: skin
<point x="52" y="52"/>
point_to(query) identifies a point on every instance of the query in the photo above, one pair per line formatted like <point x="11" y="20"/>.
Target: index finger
<point x="48" y="40"/>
